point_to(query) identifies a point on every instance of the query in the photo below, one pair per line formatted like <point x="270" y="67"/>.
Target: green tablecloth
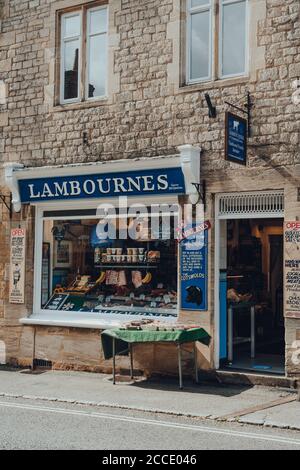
<point x="124" y="337"/>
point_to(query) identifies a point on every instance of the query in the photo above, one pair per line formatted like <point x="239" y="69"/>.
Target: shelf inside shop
<point x="125" y="266"/>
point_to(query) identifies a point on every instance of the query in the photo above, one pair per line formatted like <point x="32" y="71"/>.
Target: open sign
<point x="18" y="232"/>
<point x="293" y="225"/>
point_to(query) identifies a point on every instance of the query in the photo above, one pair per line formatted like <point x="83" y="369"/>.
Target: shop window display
<point x="94" y="275"/>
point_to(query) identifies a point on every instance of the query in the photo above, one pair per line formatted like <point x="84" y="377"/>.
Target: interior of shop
<point x="254" y="291"/>
<point x="82" y="271"/>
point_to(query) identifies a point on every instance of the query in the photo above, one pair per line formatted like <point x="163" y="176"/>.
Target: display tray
<point x="126" y="266"/>
<point x="79" y="303"/>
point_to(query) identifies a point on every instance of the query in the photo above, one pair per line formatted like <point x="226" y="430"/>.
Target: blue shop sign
<point x="130" y="183"/>
<point x="193" y="273"/>
<point x="236" y="139"/>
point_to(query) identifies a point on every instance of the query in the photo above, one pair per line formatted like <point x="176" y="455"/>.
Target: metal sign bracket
<point x="4" y="198"/>
<point x="246" y="110"/>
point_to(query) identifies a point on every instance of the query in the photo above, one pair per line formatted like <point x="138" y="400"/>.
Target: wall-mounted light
<point x="212" y="110"/>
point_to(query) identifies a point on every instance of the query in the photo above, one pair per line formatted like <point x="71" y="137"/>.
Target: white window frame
<point x="80" y="319"/>
<point x="63" y="41"/>
<point x="224" y="3"/>
<point x="88" y="36"/>
<point x="216" y="36"/>
<point x="190" y="12"/>
<point x="83" y="75"/>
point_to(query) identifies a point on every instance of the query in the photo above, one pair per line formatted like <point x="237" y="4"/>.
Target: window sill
<point x="80" y="320"/>
<point x="212" y="84"/>
<point x="82" y="105"/>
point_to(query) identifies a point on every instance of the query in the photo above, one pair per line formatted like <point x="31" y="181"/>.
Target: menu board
<point x="56" y="301"/>
<point x="193" y="271"/>
<point x="17" y="266"/>
<point x="292" y="269"/>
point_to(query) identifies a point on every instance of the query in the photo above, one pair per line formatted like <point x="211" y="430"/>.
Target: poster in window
<point x="292" y="269"/>
<point x="17" y="266"/>
<point x="194" y="275"/>
<point x="45" y="273"/>
<point x="63" y="254"/>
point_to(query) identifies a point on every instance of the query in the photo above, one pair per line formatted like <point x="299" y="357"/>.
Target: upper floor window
<point x="217" y="42"/>
<point x="83" y="67"/>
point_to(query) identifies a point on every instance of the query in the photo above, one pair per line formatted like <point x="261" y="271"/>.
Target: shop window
<point x="216" y="28"/>
<point x="130" y="271"/>
<point x="83" y="54"/>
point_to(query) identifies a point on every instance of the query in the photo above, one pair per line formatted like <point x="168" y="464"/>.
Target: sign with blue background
<point x="236" y="139"/>
<point x="193" y="271"/>
<point x="130" y="183"/>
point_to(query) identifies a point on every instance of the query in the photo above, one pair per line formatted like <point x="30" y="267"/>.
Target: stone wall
<point x="149" y="115"/>
<point x="147" y="112"/>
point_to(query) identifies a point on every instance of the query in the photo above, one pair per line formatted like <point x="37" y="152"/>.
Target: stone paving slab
<point x="283" y="416"/>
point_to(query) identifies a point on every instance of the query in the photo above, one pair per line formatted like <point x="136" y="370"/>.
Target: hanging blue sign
<point x="130" y="183"/>
<point x="193" y="270"/>
<point x="236" y="139"/>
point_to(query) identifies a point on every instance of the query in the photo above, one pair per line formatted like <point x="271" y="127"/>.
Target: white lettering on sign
<point x="31" y="190"/>
<point x="89" y="187"/>
<point x="74" y="188"/>
<point x="104" y="186"/>
<point x="148" y="183"/>
<point x="136" y="183"/>
<point x="162" y="182"/>
<point x="119" y="185"/>
<point x="61" y="189"/>
<point x="101" y="186"/>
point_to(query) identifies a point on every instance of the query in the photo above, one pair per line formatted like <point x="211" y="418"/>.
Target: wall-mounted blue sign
<point x="236" y="139"/>
<point x="193" y="271"/>
<point x="130" y="183"/>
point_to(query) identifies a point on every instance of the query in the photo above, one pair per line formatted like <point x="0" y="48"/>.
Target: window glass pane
<point x="72" y="26"/>
<point x="200" y="45"/>
<point x="97" y="66"/>
<point x="71" y="67"/>
<point x="98" y="21"/>
<point x="234" y="38"/>
<point x="199" y="3"/>
<point x="82" y="271"/>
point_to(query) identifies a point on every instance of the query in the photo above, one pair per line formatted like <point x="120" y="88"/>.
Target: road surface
<point x="32" y="424"/>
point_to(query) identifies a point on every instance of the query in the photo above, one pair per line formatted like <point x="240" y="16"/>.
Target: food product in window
<point x="97" y="256"/>
<point x="101" y="278"/>
<point x="137" y="280"/>
<point x="147" y="279"/>
<point x="111" y="278"/>
<point x="122" y="279"/>
<point x="153" y="255"/>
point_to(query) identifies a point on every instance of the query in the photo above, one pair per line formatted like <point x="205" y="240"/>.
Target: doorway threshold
<point x="238" y="377"/>
<point x="261" y="364"/>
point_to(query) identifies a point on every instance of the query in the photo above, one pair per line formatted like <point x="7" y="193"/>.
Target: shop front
<point x="107" y="245"/>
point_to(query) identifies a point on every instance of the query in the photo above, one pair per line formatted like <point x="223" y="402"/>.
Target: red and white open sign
<point x="295" y="225"/>
<point x="18" y="232"/>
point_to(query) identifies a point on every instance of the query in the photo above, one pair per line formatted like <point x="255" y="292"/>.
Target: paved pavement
<point x="253" y="405"/>
<point x="34" y="424"/>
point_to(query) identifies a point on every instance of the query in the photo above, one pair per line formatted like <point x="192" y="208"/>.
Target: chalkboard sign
<point x="236" y="139"/>
<point x="193" y="275"/>
<point x="56" y="302"/>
